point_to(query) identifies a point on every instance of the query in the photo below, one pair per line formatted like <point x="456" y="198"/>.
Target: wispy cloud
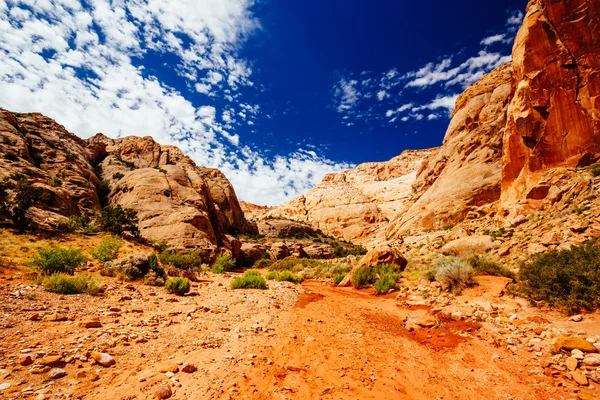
<point x="82" y="63"/>
<point x="441" y="81"/>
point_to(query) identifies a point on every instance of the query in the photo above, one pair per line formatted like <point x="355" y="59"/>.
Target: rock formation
<point x="187" y="206"/>
<point x="355" y="204"/>
<point x="554" y="113"/>
<point x="465" y="174"/>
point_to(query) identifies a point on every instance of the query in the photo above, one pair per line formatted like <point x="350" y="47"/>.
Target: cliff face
<point x="187" y="206"/>
<point x="554" y="113"/>
<point x="464" y="175"/>
<point x="355" y="205"/>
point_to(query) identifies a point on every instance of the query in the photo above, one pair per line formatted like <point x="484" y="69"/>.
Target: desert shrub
<point x="386" y="283"/>
<point x="363" y="277"/>
<point x="284" y="276"/>
<point x="108" y="249"/>
<point x="16" y="205"/>
<point x="65" y="284"/>
<point x="498" y="233"/>
<point x="161" y="246"/>
<point x="52" y="260"/>
<point x="263" y="263"/>
<point x="178" y="286"/>
<point x="330" y="270"/>
<point x="116" y="219"/>
<point x="251" y="279"/>
<point x="56" y="181"/>
<point x="484" y="266"/>
<point x="117" y="175"/>
<point x="294" y="264"/>
<point x="595" y="169"/>
<point x="224" y="263"/>
<point x="338" y="278"/>
<point x="73" y="223"/>
<point x="154" y="265"/>
<point x="567" y="278"/>
<point x="455" y="272"/>
<point x="180" y="260"/>
<point x="340" y="251"/>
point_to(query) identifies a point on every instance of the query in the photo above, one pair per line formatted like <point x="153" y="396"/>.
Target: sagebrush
<point x="251" y="279"/>
<point x="224" y="263"/>
<point x="65" y="284"/>
<point x="52" y="260"/>
<point x="178" y="286"/>
<point x="108" y="249"/>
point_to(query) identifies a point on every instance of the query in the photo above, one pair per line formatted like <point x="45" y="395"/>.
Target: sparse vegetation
<point x="117" y="175"/>
<point x="498" y="233"/>
<point x="251" y="279"/>
<point x="64" y="284"/>
<point x="568" y="279"/>
<point x="284" y="276"/>
<point x="224" y="263"/>
<point x="340" y="251"/>
<point x="108" y="249"/>
<point x="56" y="181"/>
<point x="484" y="266"/>
<point x="386" y="283"/>
<point x="263" y="263"/>
<point x="15" y="205"/>
<point x="116" y="219"/>
<point x="191" y="260"/>
<point x="178" y="286"/>
<point x="595" y="169"/>
<point x="338" y="278"/>
<point x="363" y="277"/>
<point x="454" y="272"/>
<point x="294" y="264"/>
<point x="52" y="260"/>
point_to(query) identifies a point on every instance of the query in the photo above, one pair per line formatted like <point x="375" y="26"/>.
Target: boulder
<point x="279" y="251"/>
<point x="320" y="251"/>
<point x="376" y="257"/>
<point x="251" y="252"/>
<point x="468" y="245"/>
<point x="568" y="343"/>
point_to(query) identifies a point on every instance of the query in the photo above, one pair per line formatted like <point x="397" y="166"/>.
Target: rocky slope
<point x="355" y="204"/>
<point x="187" y="206"/>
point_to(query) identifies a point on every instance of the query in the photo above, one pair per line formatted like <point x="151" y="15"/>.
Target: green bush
<point x="484" y="266"/>
<point x="64" y="284"/>
<point x="595" y="169"/>
<point x="455" y="272"/>
<point x="178" y="286"/>
<point x="568" y="278"/>
<point x="338" y="279"/>
<point x="263" y="263"/>
<point x="386" y="283"/>
<point x="56" y="181"/>
<point x="15" y="206"/>
<point x="498" y="233"/>
<point x="73" y="223"/>
<point x="340" y="251"/>
<point x="363" y="277"/>
<point x="180" y="260"/>
<point x="328" y="271"/>
<point x="223" y="264"/>
<point x="116" y="219"/>
<point x="154" y="265"/>
<point x="108" y="249"/>
<point x="284" y="276"/>
<point x="251" y="279"/>
<point x="117" y="175"/>
<point x="52" y="260"/>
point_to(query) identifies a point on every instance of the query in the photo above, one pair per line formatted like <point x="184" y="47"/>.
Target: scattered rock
<point x="163" y="392"/>
<point x="25" y="360"/>
<point x="168" y="367"/>
<point x="569" y="343"/>
<point x="103" y="359"/>
<point x="56" y="373"/>
<point x="576" y="318"/>
<point x="91" y="324"/>
<point x="580" y="378"/>
<point x="572" y="363"/>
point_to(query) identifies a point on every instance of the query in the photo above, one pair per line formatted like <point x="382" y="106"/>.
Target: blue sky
<point x="274" y="93"/>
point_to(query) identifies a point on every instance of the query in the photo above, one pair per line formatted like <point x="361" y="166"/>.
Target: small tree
<point x="116" y="219"/>
<point x="15" y="205"/>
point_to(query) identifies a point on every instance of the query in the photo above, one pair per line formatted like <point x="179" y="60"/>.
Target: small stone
<point x="591" y="361"/>
<point x="4" y="386"/>
<point x="103" y="359"/>
<point x="576" y="318"/>
<point x="25" y="360"/>
<point x="580" y="378"/>
<point x="163" y="392"/>
<point x="168" y="367"/>
<point x="188" y="368"/>
<point x="91" y="324"/>
<point x="585" y="396"/>
<point x="572" y="363"/>
<point x="427" y="321"/>
<point x="50" y="360"/>
<point x="56" y="373"/>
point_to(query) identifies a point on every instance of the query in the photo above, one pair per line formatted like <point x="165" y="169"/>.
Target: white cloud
<point x="493" y="39"/>
<point x="346" y="95"/>
<point x="78" y="64"/>
<point x="515" y="18"/>
<point x="382" y="94"/>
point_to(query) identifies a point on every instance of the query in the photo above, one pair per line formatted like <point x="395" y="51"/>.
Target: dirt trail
<point x="340" y="343"/>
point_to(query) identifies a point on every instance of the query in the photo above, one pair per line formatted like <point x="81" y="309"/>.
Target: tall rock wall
<point x="554" y="113"/>
<point x="465" y="174"/>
